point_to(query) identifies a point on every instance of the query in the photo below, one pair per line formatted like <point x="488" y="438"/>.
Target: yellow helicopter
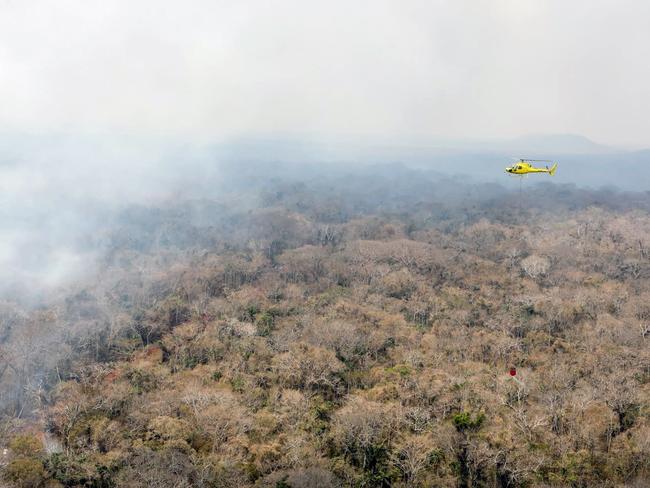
<point x="524" y="167"/>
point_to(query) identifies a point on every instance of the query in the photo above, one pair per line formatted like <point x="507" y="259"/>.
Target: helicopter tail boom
<point x="552" y="170"/>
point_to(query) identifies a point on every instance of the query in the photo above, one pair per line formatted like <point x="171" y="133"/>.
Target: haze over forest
<point x="273" y="244"/>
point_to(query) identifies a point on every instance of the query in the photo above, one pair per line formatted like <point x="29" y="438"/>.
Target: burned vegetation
<point x="343" y="330"/>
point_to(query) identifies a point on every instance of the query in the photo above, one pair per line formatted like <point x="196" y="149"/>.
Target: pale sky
<point x="406" y="70"/>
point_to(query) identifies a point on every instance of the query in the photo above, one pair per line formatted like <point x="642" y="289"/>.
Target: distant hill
<point x="557" y="144"/>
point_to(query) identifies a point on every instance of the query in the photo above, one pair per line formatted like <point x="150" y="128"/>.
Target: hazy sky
<point x="403" y="69"/>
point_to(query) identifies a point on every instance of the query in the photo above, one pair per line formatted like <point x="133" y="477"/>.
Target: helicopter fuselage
<point x="523" y="168"/>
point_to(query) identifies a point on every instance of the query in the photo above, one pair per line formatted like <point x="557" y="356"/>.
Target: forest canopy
<point x="319" y="327"/>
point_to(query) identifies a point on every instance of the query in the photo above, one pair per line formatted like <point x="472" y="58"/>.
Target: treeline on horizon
<point x="296" y="327"/>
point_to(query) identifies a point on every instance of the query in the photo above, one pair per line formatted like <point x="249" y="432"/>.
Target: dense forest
<point x="301" y="327"/>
